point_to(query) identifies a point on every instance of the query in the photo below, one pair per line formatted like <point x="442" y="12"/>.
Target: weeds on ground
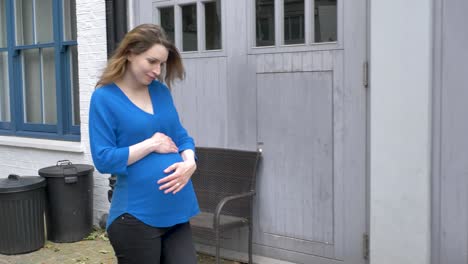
<point x="97" y="233"/>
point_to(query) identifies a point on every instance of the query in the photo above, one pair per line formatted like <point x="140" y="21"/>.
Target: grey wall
<point x="201" y="99"/>
<point x="450" y="145"/>
<point x="400" y="59"/>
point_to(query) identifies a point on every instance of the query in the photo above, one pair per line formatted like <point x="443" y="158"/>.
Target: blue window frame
<point x="38" y="69"/>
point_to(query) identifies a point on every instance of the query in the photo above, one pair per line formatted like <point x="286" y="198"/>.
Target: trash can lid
<point x="65" y="167"/>
<point x="15" y="183"/>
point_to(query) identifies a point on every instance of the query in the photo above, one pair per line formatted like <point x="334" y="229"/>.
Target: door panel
<point x="295" y="125"/>
<point x="300" y="128"/>
<point x="311" y="127"/>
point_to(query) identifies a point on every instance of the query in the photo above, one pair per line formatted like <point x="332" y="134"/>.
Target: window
<point x="5" y="115"/>
<point x="265" y="22"/>
<point x="38" y="69"/>
<point x="189" y="28"/>
<point x="167" y="21"/>
<point x="325" y="20"/>
<point x="213" y="25"/>
<point x="193" y="26"/>
<point x="302" y="22"/>
<point x="293" y="22"/>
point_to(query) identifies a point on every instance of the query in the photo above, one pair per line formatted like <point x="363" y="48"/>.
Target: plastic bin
<point x="69" y="201"/>
<point x="22" y="204"/>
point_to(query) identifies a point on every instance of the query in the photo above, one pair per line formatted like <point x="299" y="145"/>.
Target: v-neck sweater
<point x="115" y="123"/>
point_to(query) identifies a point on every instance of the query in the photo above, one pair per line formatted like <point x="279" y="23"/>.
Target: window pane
<point x="74" y="86"/>
<point x="325" y="20"/>
<point x="213" y="25"/>
<point x="167" y="21"/>
<point x="32" y="93"/>
<point x="24" y="22"/>
<point x="69" y="20"/>
<point x="39" y="96"/>
<point x="33" y="21"/>
<point x="189" y="28"/>
<point x="265" y="22"/>
<point x="293" y="21"/>
<point x="3" y="34"/>
<point x="44" y="28"/>
<point x="49" y="103"/>
<point x="4" y="89"/>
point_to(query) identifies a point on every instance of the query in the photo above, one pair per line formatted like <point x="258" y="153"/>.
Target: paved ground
<point x="96" y="250"/>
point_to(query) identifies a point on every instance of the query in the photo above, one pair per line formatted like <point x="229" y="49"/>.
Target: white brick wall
<point x="92" y="56"/>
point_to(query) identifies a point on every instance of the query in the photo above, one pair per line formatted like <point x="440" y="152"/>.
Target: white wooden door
<point x="311" y="126"/>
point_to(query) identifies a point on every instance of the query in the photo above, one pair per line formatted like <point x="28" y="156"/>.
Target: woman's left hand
<point x="182" y="171"/>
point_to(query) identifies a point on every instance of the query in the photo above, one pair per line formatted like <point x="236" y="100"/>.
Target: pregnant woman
<point x="136" y="134"/>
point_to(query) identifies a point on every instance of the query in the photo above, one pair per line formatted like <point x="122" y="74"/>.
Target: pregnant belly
<point x="143" y="189"/>
<point x="151" y="168"/>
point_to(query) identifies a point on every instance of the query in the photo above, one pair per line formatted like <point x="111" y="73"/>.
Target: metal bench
<point x="225" y="185"/>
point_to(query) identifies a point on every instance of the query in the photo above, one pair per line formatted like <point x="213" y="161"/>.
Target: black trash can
<point x="69" y="201"/>
<point x="22" y="205"/>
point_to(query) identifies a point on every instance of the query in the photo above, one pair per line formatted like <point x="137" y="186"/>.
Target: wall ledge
<point x="44" y="144"/>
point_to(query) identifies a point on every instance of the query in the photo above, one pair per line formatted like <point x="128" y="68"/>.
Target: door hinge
<point x="365" y="246"/>
<point x="260" y="147"/>
<point x="365" y="75"/>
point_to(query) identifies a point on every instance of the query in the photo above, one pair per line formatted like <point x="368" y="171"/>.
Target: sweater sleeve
<point x="181" y="138"/>
<point x="107" y="157"/>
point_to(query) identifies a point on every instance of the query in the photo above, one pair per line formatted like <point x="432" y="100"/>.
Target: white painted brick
<point x="92" y="58"/>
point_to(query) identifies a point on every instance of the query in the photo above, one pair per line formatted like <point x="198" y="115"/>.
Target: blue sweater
<point x="115" y="123"/>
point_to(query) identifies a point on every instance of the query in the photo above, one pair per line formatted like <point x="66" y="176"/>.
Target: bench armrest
<point x="227" y="199"/>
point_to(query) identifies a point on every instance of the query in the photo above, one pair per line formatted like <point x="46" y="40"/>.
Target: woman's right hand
<point x="163" y="143"/>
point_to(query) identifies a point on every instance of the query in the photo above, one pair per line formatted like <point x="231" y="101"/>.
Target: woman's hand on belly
<point x="181" y="173"/>
<point x="163" y="144"/>
<point x="151" y="168"/>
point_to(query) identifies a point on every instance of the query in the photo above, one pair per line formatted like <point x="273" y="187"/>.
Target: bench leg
<point x="217" y="247"/>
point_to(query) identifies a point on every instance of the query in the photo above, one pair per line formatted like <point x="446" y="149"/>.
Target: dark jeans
<point x="134" y="242"/>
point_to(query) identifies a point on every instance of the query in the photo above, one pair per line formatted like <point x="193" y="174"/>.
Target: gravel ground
<point x="95" y="249"/>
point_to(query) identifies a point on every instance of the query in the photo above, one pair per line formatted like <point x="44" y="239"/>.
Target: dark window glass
<point x="213" y="25"/>
<point x="32" y="98"/>
<point x="189" y="28"/>
<point x="44" y="24"/>
<point x="265" y="22"/>
<point x="75" y="100"/>
<point x="4" y="89"/>
<point x="24" y="22"/>
<point x="69" y="20"/>
<point x="167" y="21"/>
<point x="3" y="33"/>
<point x="49" y="100"/>
<point x="293" y="21"/>
<point x="39" y="93"/>
<point x="325" y="20"/>
<point x="33" y="21"/>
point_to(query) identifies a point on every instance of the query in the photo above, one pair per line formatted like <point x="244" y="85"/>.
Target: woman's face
<point x="146" y="67"/>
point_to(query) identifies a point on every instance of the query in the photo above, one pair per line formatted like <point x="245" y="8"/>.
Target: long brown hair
<point x="137" y="41"/>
